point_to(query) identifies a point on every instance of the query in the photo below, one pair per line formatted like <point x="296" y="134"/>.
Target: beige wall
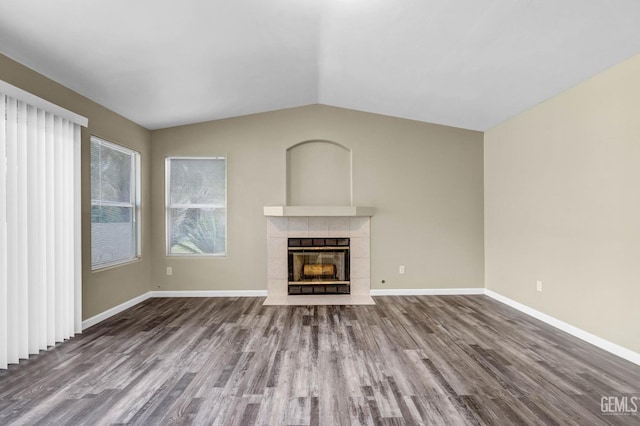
<point x="424" y="180"/>
<point x="562" y="205"/>
<point x="108" y="288"/>
<point x="318" y="174"/>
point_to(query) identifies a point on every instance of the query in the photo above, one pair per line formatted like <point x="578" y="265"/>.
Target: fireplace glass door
<point x="319" y="266"/>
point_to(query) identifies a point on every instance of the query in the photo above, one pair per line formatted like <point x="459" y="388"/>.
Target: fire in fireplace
<point x="319" y="266"/>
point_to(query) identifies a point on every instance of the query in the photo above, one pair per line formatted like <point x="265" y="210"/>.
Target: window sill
<point x="196" y="256"/>
<point x="115" y="265"/>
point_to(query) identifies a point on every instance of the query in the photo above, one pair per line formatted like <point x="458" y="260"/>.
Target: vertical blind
<point x="40" y="247"/>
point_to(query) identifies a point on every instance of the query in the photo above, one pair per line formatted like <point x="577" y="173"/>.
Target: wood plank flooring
<point x="232" y="361"/>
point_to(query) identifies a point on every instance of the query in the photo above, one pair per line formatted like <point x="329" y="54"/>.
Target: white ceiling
<point x="464" y="63"/>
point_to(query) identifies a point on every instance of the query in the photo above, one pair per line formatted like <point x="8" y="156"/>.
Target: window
<point x="196" y="206"/>
<point x="115" y="229"/>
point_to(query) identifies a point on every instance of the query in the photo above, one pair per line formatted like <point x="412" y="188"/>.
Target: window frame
<point x="135" y="196"/>
<point x="169" y="206"/>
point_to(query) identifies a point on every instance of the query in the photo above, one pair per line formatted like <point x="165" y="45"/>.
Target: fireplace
<point x="318" y="266"/>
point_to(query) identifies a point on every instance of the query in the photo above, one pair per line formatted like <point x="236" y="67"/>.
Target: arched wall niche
<point x="319" y="174"/>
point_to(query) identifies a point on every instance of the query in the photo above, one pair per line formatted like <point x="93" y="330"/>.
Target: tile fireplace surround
<point x="279" y="229"/>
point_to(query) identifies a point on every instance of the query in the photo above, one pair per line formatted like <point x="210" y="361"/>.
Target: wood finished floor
<point x="406" y="360"/>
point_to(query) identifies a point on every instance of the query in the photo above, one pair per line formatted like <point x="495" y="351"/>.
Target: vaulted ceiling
<point x="464" y="63"/>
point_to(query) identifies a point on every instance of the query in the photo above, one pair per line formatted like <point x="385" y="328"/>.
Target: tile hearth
<point x="279" y="229"/>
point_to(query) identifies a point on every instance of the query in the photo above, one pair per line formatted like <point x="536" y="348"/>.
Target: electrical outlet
<point x="401" y="270"/>
<point x="169" y="270"/>
<point x="539" y="285"/>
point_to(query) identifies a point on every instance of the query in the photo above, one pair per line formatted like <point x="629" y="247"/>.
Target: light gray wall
<point x="425" y="180"/>
<point x="107" y="288"/>
<point x="562" y="205"/>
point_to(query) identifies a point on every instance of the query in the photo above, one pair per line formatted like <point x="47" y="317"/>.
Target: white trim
<point x="309" y="211"/>
<point x="209" y="293"/>
<point x="604" y="344"/>
<point x="115" y="310"/>
<point x="150" y="294"/>
<point x="608" y="346"/>
<point x="426" y="291"/>
<point x="38" y="102"/>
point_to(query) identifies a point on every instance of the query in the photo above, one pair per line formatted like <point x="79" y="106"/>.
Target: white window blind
<point x="115" y="201"/>
<point x="40" y="246"/>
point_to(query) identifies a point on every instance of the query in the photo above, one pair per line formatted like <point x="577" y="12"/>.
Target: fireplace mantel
<point x="310" y="211"/>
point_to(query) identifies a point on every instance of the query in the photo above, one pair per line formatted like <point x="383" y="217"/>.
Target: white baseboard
<point x="608" y="346"/>
<point x="425" y="291"/>
<point x="604" y="344"/>
<point x="115" y="310"/>
<point x="209" y="293"/>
